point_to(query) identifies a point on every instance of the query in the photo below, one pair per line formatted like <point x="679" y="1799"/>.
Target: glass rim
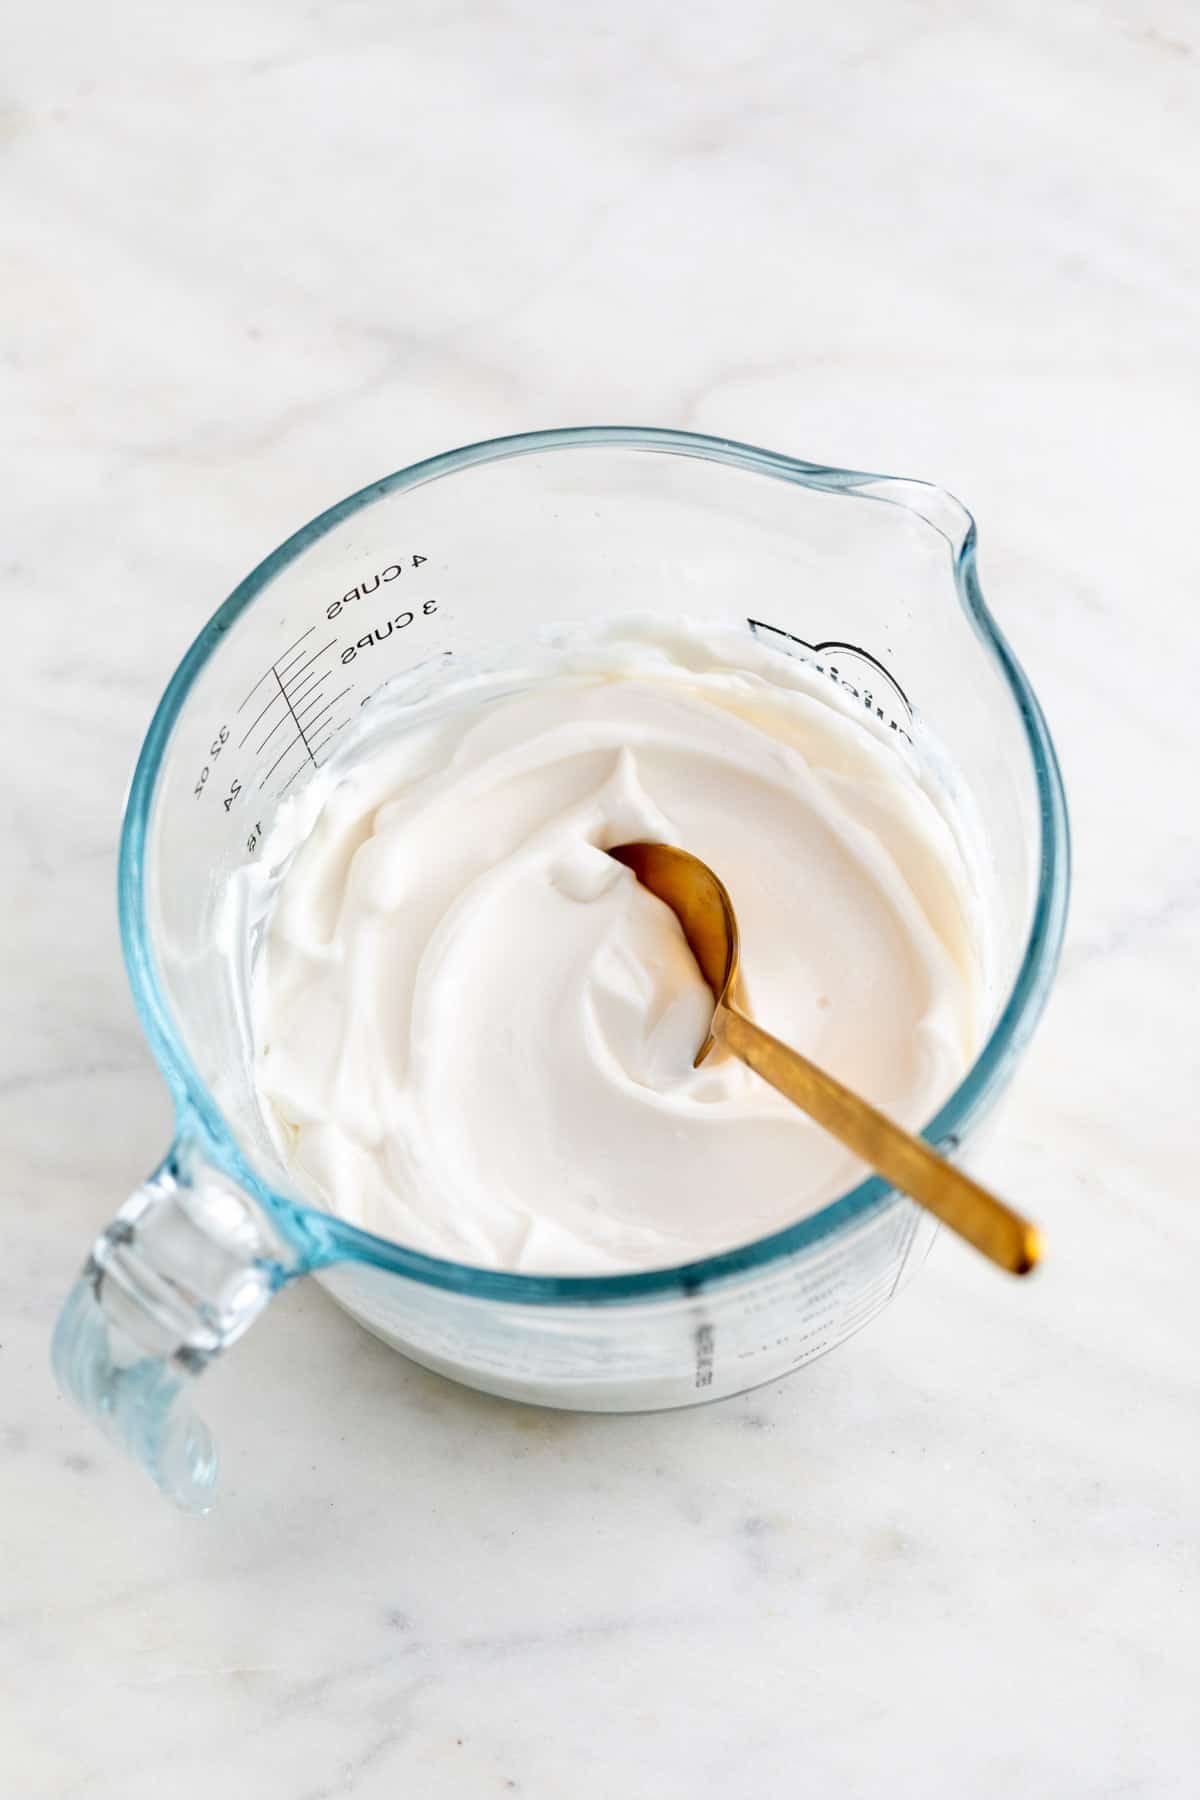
<point x="323" y="1239"/>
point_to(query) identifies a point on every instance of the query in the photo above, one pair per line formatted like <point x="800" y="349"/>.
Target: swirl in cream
<point x="474" y="1031"/>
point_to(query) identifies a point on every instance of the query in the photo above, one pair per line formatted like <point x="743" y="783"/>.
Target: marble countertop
<point x="257" y="254"/>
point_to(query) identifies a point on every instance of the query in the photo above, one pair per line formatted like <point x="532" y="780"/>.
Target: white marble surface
<point x="257" y="253"/>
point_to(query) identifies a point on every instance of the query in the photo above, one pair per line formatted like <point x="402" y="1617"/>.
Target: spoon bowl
<point x="701" y="903"/>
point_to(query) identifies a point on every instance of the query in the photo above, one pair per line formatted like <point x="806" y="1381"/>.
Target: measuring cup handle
<point x="183" y="1270"/>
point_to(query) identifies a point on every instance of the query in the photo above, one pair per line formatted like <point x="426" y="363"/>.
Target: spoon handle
<point x="900" y="1157"/>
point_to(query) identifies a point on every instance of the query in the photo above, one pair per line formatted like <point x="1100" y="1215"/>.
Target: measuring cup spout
<point x="183" y="1270"/>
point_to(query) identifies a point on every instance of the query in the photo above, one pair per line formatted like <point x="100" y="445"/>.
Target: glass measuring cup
<point x="870" y="580"/>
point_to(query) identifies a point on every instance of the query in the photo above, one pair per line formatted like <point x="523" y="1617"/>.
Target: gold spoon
<point x="705" y="911"/>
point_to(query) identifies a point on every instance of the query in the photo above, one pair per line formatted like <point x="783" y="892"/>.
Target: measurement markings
<point x="330" y="732"/>
<point x="273" y="701"/>
<point x="326" y="708"/>
<point x="311" y="701"/>
<point x="297" y="672"/>
<point x="308" y="688"/>
<point x="271" y="670"/>
<point x="288" y="667"/>
<point x="287" y="784"/>
<point x="300" y="684"/>
<point x="298" y="739"/>
<point x="281" y="720"/>
<point x="288" y="694"/>
<point x="301" y="729"/>
<point x="306" y="685"/>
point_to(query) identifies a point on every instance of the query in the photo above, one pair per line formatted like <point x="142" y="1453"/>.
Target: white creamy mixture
<point x="474" y="1030"/>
